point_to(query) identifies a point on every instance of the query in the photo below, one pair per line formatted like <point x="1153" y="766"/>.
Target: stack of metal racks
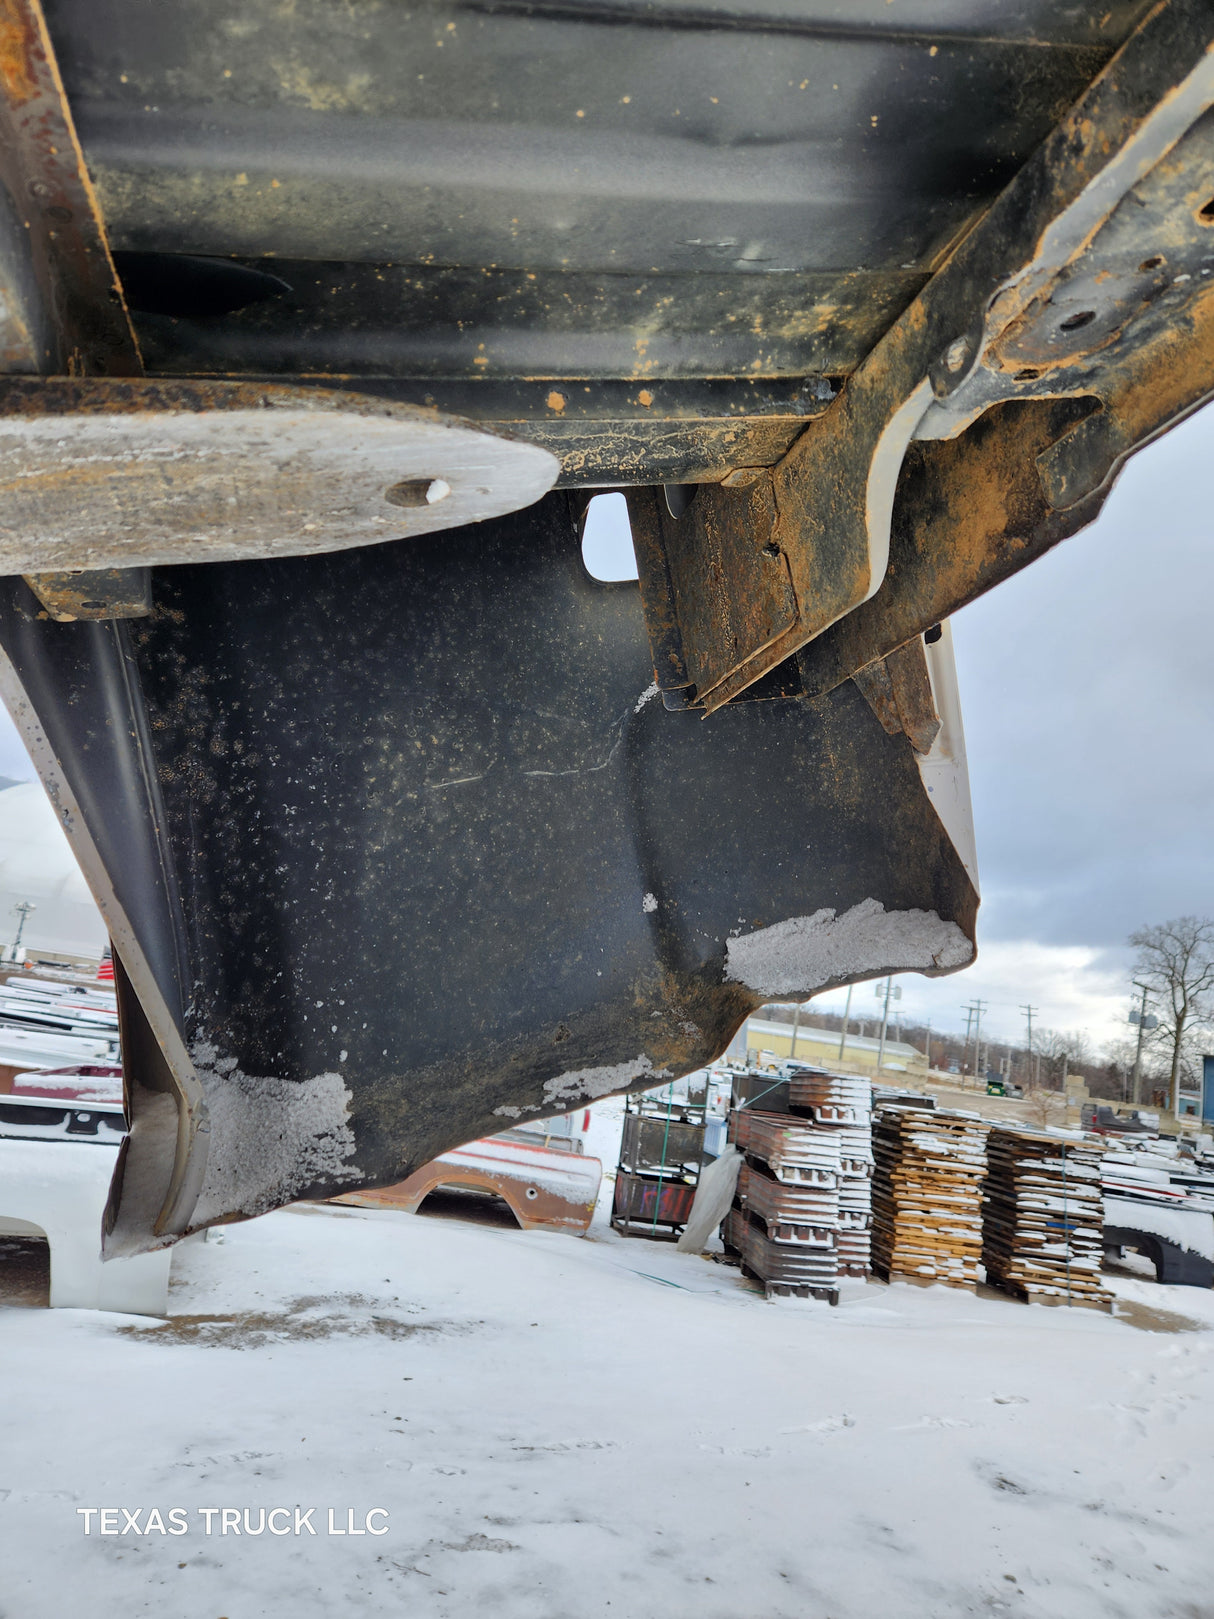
<point x="784" y="1226"/>
<point x="1043" y="1221"/>
<point x="842" y="1105"/>
<point x="927" y="1196"/>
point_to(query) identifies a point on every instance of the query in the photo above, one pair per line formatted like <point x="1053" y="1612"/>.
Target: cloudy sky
<point x="1087" y="683"/>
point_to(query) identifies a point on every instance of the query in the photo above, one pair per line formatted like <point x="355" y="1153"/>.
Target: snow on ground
<point x="560" y="1428"/>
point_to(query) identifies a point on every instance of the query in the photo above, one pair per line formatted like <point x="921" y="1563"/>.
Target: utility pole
<point x="977" y="1007"/>
<point x="1028" y="1012"/>
<point x="927" y="1046"/>
<point x="1136" y="1080"/>
<point x="885" y="1017"/>
<point x="23" y="911"/>
<point x="796" y="1024"/>
<point x="979" y="1070"/>
<point x="968" y="1030"/>
<point x="846" y="1015"/>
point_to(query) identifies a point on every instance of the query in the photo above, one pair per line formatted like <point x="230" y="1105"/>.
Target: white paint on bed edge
<point x="806" y="952"/>
<point x="270" y="1138"/>
<point x="584" y="1084"/>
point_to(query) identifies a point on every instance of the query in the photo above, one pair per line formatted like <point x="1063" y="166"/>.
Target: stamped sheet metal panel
<point x="435" y="858"/>
<point x="508" y="190"/>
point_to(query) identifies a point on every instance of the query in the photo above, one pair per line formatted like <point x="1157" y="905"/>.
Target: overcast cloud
<point x="1086" y="684"/>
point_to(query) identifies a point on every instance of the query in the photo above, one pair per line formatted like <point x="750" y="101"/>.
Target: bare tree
<point x="1044" y="1107"/>
<point x="1048" y="1046"/>
<point x="1176" y="962"/>
<point x="1058" y="1048"/>
<point x="1079" y="1046"/>
<point x="1119" y="1055"/>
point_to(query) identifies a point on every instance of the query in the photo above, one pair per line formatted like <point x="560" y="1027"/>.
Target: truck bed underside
<point x="322" y="324"/>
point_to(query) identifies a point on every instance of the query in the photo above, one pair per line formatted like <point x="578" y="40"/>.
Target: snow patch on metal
<point x="1186" y="1228"/>
<point x="271" y="1138"/>
<point x="807" y="952"/>
<point x="584" y="1084"/>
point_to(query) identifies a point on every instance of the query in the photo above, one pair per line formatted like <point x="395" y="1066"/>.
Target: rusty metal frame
<point x="65" y="311"/>
<point x="984" y="426"/>
<point x="998" y="325"/>
<point x="64" y="284"/>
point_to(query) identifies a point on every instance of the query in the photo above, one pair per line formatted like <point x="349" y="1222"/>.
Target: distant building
<point x="822" y="1046"/>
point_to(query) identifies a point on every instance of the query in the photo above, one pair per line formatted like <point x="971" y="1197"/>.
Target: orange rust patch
<point x="18" y="53"/>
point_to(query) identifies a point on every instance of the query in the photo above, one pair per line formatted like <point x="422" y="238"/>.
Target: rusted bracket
<point x="712" y="565"/>
<point x="64" y="307"/>
<point x="84" y="593"/>
<point x="898" y="689"/>
<point x="63" y="311"/>
<point x="1051" y="297"/>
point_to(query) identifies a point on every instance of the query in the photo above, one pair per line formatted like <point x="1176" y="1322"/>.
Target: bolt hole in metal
<point x="531" y="1192"/>
<point x="957" y="353"/>
<point x="607" y="551"/>
<point x="1081" y="318"/>
<point x="418" y="492"/>
<point x="1155" y="262"/>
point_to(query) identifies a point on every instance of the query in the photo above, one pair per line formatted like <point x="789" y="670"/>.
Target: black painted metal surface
<point x="433" y="833"/>
<point x="400" y="845"/>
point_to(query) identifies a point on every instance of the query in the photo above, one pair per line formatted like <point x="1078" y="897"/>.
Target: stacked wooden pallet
<point x="1043" y="1223"/>
<point x="842" y="1105"/>
<point x="784" y="1225"/>
<point x="927" y="1195"/>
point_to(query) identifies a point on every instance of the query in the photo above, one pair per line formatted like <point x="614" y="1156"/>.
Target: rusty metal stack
<point x="842" y="1104"/>
<point x="784" y="1226"/>
<point x="807" y="1269"/>
<point x="661" y="1151"/>
<point x="927" y="1195"/>
<point x="789" y="1210"/>
<point x="1043" y="1223"/>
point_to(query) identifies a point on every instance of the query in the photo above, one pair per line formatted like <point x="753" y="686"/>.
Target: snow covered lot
<point x="561" y="1428"/>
